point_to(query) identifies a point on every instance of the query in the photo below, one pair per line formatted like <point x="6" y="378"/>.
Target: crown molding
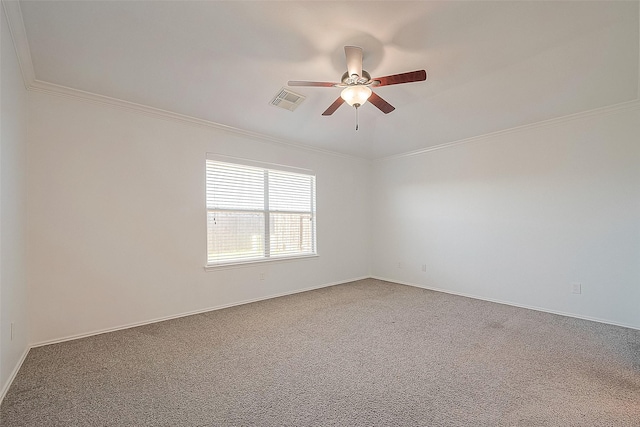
<point x="23" y="52"/>
<point x="21" y="44"/>
<point x="67" y="92"/>
<point x="19" y="36"/>
<point x="64" y="91"/>
<point x="596" y="112"/>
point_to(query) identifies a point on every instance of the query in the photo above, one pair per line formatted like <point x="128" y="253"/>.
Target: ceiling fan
<point x="357" y="84"/>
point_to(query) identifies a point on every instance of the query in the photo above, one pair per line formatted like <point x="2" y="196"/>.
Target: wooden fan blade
<point x="314" y="84"/>
<point x="354" y="60"/>
<point x="333" y="107"/>
<point x="382" y="105"/>
<point x="411" y="76"/>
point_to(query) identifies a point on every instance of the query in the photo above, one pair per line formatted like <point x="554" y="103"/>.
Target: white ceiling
<point x="491" y="65"/>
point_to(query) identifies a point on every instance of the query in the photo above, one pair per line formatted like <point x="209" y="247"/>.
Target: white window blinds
<point x="255" y="213"/>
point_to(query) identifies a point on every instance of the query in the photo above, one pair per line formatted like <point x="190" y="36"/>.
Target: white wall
<point x="117" y="223"/>
<point x="117" y="231"/>
<point x="13" y="287"/>
<point x="520" y="217"/>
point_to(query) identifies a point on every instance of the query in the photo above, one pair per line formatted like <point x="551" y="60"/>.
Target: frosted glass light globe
<point x="356" y="95"/>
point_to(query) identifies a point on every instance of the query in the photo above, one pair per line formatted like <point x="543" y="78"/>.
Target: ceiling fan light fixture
<point x="356" y="82"/>
<point x="356" y="95"/>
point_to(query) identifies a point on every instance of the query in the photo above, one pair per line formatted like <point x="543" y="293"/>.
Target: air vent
<point x="287" y="99"/>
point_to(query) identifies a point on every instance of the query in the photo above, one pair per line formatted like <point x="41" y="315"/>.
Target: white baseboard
<point x="220" y="307"/>
<point x="7" y="384"/>
<point x="513" y="304"/>
<point x="189" y="313"/>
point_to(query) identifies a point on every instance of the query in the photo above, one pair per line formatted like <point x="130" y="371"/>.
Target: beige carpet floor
<point x="367" y="353"/>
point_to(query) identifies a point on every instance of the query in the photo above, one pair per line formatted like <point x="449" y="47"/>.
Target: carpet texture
<point x="367" y="353"/>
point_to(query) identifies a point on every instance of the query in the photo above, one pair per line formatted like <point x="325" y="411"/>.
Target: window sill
<point x="216" y="267"/>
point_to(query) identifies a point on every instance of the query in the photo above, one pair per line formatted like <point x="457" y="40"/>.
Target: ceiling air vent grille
<point x="287" y="99"/>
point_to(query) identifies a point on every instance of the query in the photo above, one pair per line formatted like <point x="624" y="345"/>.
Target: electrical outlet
<point x="576" y="288"/>
<point x="261" y="276"/>
<point x="424" y="268"/>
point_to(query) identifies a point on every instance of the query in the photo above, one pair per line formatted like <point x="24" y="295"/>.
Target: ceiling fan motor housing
<point x="355" y="79"/>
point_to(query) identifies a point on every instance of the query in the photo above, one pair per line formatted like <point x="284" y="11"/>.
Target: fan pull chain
<point x="356" y="118"/>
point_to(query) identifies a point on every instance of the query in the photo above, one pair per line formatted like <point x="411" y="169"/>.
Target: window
<point x="258" y="214"/>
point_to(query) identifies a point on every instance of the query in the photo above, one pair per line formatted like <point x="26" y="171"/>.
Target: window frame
<point x="266" y="257"/>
